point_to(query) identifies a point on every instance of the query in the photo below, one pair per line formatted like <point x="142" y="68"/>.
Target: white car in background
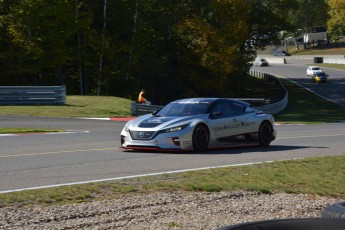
<point x="261" y="62"/>
<point x="312" y="70"/>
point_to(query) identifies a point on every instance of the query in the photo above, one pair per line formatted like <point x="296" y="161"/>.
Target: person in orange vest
<point x="141" y="97"/>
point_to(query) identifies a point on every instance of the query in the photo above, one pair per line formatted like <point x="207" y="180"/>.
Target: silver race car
<point x="198" y="124"/>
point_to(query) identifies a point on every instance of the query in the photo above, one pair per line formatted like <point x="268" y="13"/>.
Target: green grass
<point x="26" y="130"/>
<point x="76" y="106"/>
<point x="301" y="51"/>
<point x="322" y="176"/>
<point x="306" y="107"/>
<point x="335" y="66"/>
<point x="315" y="51"/>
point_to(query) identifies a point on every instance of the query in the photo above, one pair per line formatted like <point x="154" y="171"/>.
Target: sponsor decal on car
<point x="244" y="124"/>
<point x="224" y="127"/>
<point x="186" y="142"/>
<point x="234" y="126"/>
<point x="159" y="121"/>
<point x="153" y="122"/>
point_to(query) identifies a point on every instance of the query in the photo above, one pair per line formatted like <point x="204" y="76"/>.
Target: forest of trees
<point x="173" y="49"/>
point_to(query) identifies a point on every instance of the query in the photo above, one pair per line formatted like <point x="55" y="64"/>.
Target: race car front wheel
<point x="265" y="134"/>
<point x="201" y="138"/>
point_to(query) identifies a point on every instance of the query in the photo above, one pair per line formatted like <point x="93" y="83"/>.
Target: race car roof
<point x="202" y="100"/>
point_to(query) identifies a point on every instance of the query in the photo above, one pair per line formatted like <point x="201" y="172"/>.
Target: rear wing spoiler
<point x="260" y="100"/>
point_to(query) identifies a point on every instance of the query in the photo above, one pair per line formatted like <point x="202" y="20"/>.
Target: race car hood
<point x="158" y="122"/>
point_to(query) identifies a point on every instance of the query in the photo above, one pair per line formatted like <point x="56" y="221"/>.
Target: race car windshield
<point x="183" y="109"/>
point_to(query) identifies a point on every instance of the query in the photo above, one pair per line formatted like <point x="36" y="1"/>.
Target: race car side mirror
<point x="216" y="114"/>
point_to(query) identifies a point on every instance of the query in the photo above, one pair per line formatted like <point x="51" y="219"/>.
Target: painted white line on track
<point x="312" y="91"/>
<point x="105" y="149"/>
<point x="66" y="151"/>
<point x="41" y="133"/>
<point x="134" y="176"/>
<point x="116" y="148"/>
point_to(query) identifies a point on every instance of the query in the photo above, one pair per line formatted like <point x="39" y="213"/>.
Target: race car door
<point x="224" y="120"/>
<point x="247" y="124"/>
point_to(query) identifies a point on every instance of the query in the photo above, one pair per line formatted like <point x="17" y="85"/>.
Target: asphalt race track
<point x="89" y="149"/>
<point x="333" y="90"/>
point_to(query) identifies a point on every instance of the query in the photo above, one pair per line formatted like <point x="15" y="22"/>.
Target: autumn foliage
<point x="173" y="49"/>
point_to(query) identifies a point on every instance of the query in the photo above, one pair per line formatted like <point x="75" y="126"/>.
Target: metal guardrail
<point x="260" y="100"/>
<point x="32" y="95"/>
<point x="275" y="108"/>
<point x="279" y="106"/>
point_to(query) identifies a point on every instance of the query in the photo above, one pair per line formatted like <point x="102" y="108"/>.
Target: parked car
<point x="311" y="70"/>
<point x="281" y="53"/>
<point x="198" y="124"/>
<point x="261" y="62"/>
<point x="320" y="77"/>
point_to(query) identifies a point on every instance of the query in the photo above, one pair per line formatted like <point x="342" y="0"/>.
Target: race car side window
<point x="238" y="108"/>
<point x="223" y="109"/>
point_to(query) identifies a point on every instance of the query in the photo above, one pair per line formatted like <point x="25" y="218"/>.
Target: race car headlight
<point x="126" y="129"/>
<point x="176" y="128"/>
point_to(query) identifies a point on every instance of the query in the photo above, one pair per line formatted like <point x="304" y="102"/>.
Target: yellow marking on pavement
<point x="47" y="153"/>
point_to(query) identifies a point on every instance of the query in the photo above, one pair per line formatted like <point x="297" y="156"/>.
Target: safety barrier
<point x="279" y="106"/>
<point x="275" y="108"/>
<point x="32" y="95"/>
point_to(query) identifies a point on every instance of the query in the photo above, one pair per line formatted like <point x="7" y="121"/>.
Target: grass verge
<point x="301" y="51"/>
<point x="335" y="66"/>
<point x="316" y="51"/>
<point x="306" y="107"/>
<point x="26" y="130"/>
<point x="321" y="176"/>
<point x="76" y="106"/>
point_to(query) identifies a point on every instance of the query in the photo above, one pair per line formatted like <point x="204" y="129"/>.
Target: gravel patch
<point x="181" y="210"/>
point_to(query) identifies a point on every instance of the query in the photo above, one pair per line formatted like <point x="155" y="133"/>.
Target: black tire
<point x="334" y="211"/>
<point x="201" y="137"/>
<point x="265" y="135"/>
<point x="291" y="224"/>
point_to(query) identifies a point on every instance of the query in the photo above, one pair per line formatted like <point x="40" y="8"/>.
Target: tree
<point x="196" y="48"/>
<point x="309" y="14"/>
<point x="44" y="32"/>
<point x="336" y="22"/>
<point x="211" y="38"/>
<point x="268" y="18"/>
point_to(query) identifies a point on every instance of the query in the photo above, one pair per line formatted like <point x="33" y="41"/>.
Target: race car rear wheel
<point x="201" y="137"/>
<point x="265" y="134"/>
